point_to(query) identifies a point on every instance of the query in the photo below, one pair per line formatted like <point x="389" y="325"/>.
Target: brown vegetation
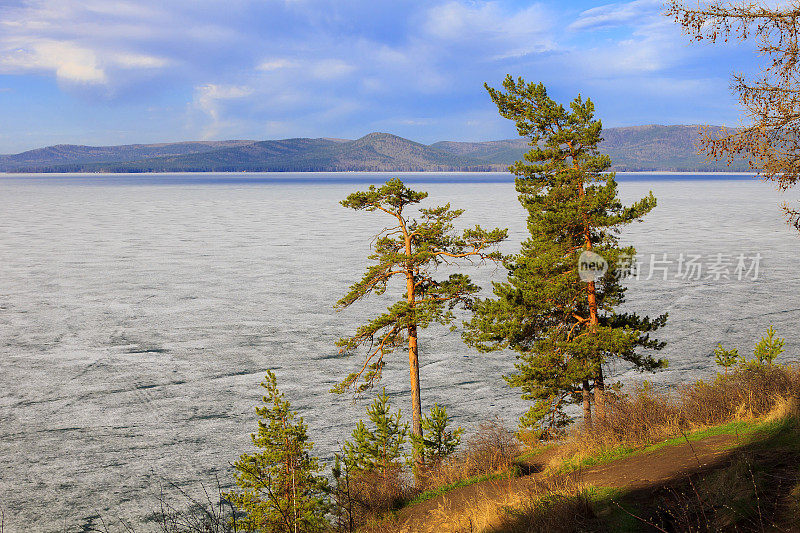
<point x="722" y="484"/>
<point x="491" y="450"/>
<point x="647" y="416"/>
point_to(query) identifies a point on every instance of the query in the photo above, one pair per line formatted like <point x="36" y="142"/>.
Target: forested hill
<point x="635" y="148"/>
<point x="657" y="148"/>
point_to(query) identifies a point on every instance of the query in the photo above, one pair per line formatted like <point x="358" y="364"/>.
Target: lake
<point x="138" y="314"/>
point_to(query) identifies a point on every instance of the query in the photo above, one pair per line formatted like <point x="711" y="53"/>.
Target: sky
<point x="102" y="72"/>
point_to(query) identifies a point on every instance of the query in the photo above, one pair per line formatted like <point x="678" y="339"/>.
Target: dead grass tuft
<point x="492" y="449"/>
<point x="646" y="416"/>
<point x="555" y="505"/>
<point x="368" y="498"/>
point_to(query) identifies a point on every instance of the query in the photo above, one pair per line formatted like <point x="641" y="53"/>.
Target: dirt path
<point x="645" y="470"/>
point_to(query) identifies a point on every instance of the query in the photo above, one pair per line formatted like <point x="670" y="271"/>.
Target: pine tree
<point x="558" y="316"/>
<point x="279" y="489"/>
<point x="437" y="442"/>
<point x="724" y="357"/>
<point x="769" y="347"/>
<point x="380" y="448"/>
<point x="411" y="250"/>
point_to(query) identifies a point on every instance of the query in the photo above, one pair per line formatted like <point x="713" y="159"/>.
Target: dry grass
<point x="492" y="449"/>
<point x="646" y="416"/>
<point x="566" y="509"/>
<point x="555" y="505"/>
<point x="369" y="497"/>
<point x="741" y="494"/>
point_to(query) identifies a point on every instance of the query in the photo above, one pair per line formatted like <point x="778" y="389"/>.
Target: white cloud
<point x="503" y="33"/>
<point x="652" y="43"/>
<point x="139" y="61"/>
<point x="328" y="69"/>
<point x="210" y="98"/>
<point x="79" y="42"/>
<point x="617" y="14"/>
<point x="321" y="69"/>
<point x="275" y="64"/>
<point x="70" y="62"/>
<point x="416" y="121"/>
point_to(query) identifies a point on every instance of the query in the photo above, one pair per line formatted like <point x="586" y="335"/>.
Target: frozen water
<point x="139" y="314"/>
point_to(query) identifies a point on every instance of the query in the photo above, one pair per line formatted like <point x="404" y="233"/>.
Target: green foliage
<point x="769" y="347"/>
<point x="725" y="358"/>
<point x="543" y="311"/>
<point x="279" y="489"/>
<point x="380" y="447"/>
<point x="412" y="250"/>
<point x="436" y="442"/>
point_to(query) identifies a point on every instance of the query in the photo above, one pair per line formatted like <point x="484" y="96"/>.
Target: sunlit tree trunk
<point x="587" y="405"/>
<point x="413" y="248"/>
<point x="413" y="367"/>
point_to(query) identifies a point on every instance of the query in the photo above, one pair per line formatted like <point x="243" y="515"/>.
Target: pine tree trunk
<point x="599" y="394"/>
<point x="591" y="298"/>
<point x="587" y="406"/>
<point x="413" y="367"/>
<point x="416" y="404"/>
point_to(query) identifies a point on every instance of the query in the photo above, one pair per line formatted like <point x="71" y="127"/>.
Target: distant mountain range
<point x="637" y="148"/>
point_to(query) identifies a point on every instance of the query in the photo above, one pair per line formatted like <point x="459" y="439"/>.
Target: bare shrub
<point x="364" y="497"/>
<point x="491" y="449"/>
<point x="208" y="513"/>
<point x="647" y="416"/>
<point x="750" y="391"/>
<point x="377" y="493"/>
<point x="640" y="418"/>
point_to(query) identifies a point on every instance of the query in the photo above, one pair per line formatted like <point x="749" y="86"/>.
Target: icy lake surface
<point x="138" y="315"/>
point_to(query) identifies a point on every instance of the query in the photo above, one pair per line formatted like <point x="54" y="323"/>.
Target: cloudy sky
<point x="115" y="71"/>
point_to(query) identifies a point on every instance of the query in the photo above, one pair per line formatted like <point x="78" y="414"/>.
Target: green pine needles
<point x="769" y="347"/>
<point x="565" y="329"/>
<point x="766" y="350"/>
<point x="437" y="441"/>
<point x="379" y="448"/>
<point x="724" y="357"/>
<point x="279" y="486"/>
<point x="411" y="250"/>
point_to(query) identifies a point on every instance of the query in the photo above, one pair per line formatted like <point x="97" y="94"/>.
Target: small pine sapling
<point x="437" y="442"/>
<point x="725" y="358"/>
<point x="279" y="489"/>
<point x="769" y="347"/>
<point x="380" y="448"/>
<point x="343" y="501"/>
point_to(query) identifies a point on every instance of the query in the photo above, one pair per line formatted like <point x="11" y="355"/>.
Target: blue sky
<point x="116" y="72"/>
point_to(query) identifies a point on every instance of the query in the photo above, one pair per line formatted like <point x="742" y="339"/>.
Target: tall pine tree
<point x="279" y="486"/>
<point x="564" y="329"/>
<point x="412" y="250"/>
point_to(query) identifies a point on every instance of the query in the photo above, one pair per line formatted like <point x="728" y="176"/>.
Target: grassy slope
<point x="707" y="504"/>
<point x="617" y="509"/>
